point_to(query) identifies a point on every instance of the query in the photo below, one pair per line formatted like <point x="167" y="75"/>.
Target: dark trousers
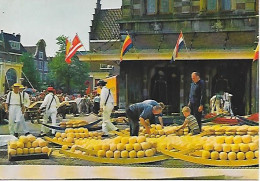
<point x="194" y="111"/>
<point x="96" y="107"/>
<point x="133" y="121"/>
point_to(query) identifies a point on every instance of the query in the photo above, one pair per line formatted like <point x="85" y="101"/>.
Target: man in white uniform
<point x="106" y="107"/>
<point x="26" y="103"/>
<point x="78" y="101"/>
<point x="14" y="106"/>
<point x="51" y="103"/>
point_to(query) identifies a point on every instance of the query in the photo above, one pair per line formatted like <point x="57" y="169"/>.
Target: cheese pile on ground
<point x="71" y="135"/>
<point x="119" y="147"/>
<point x="28" y="145"/>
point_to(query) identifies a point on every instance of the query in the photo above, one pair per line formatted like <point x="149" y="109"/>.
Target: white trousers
<point x="107" y="125"/>
<point x="21" y="124"/>
<point x="79" y="108"/>
<point x="15" y="113"/>
<point x="49" y="113"/>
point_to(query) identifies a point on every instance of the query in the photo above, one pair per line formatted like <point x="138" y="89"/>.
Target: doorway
<point x="165" y="87"/>
<point x="231" y="77"/>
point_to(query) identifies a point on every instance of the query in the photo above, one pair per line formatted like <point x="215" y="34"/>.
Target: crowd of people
<point x="16" y="102"/>
<point x="144" y="113"/>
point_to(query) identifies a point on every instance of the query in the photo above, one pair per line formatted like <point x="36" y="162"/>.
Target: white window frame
<point x="45" y="68"/>
<point x="41" y="55"/>
<point x="40" y="65"/>
<point x="15" y="45"/>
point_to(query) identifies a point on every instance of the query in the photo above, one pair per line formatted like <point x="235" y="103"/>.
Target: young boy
<point x="190" y="121"/>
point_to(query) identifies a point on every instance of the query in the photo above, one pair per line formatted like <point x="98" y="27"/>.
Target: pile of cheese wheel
<point x="157" y="131"/>
<point x="119" y="147"/>
<point x="230" y="130"/>
<point x="73" y="123"/>
<point x="119" y="119"/>
<point x="28" y="145"/>
<point x="173" y="142"/>
<point x="71" y="135"/>
<point x="231" y="147"/>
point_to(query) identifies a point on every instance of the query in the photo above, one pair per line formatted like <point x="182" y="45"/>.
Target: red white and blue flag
<point x="126" y="46"/>
<point x="71" y="48"/>
<point x="178" y="46"/>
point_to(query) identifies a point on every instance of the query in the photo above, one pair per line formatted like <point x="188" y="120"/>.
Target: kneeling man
<point x="141" y="112"/>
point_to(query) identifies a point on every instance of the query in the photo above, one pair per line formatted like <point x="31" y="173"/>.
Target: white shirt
<point x="97" y="99"/>
<point x="15" y="98"/>
<point x="78" y="100"/>
<point x="103" y="97"/>
<point x="26" y="99"/>
<point x="47" y="100"/>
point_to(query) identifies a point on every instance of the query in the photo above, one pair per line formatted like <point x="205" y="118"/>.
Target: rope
<point x="27" y="80"/>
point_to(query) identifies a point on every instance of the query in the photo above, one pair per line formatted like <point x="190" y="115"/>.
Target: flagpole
<point x="185" y="43"/>
<point x="28" y="80"/>
<point x="81" y="43"/>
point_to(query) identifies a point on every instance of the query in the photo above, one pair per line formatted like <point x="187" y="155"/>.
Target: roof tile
<point x="105" y="26"/>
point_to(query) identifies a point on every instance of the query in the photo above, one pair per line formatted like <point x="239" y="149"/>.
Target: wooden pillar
<point x="182" y="92"/>
<point x="207" y="87"/>
<point x="2" y="79"/>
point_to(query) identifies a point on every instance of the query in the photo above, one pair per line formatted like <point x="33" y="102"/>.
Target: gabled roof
<point x="6" y="37"/>
<point x="31" y="49"/>
<point x="40" y="45"/>
<point x="105" y="26"/>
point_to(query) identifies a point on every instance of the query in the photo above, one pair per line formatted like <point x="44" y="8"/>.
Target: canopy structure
<point x="151" y="55"/>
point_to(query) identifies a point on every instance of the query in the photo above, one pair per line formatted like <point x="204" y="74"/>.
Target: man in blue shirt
<point x="197" y="96"/>
<point x="141" y="112"/>
<point x="155" y="103"/>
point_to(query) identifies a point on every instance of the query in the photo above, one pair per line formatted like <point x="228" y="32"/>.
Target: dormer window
<point x="14" y="45"/>
<point x="41" y="55"/>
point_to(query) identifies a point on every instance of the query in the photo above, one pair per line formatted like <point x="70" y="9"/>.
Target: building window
<point x="35" y="64"/>
<point x="14" y="45"/>
<point x="164" y="6"/>
<point x="44" y="77"/>
<point x="226" y="5"/>
<point x="211" y="5"/>
<point x="46" y="66"/>
<point x="151" y="7"/>
<point x="41" y="55"/>
<point x="157" y="6"/>
<point x="106" y="67"/>
<point x="40" y="65"/>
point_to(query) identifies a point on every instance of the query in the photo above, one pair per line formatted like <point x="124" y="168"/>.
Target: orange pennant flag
<point x="68" y="44"/>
